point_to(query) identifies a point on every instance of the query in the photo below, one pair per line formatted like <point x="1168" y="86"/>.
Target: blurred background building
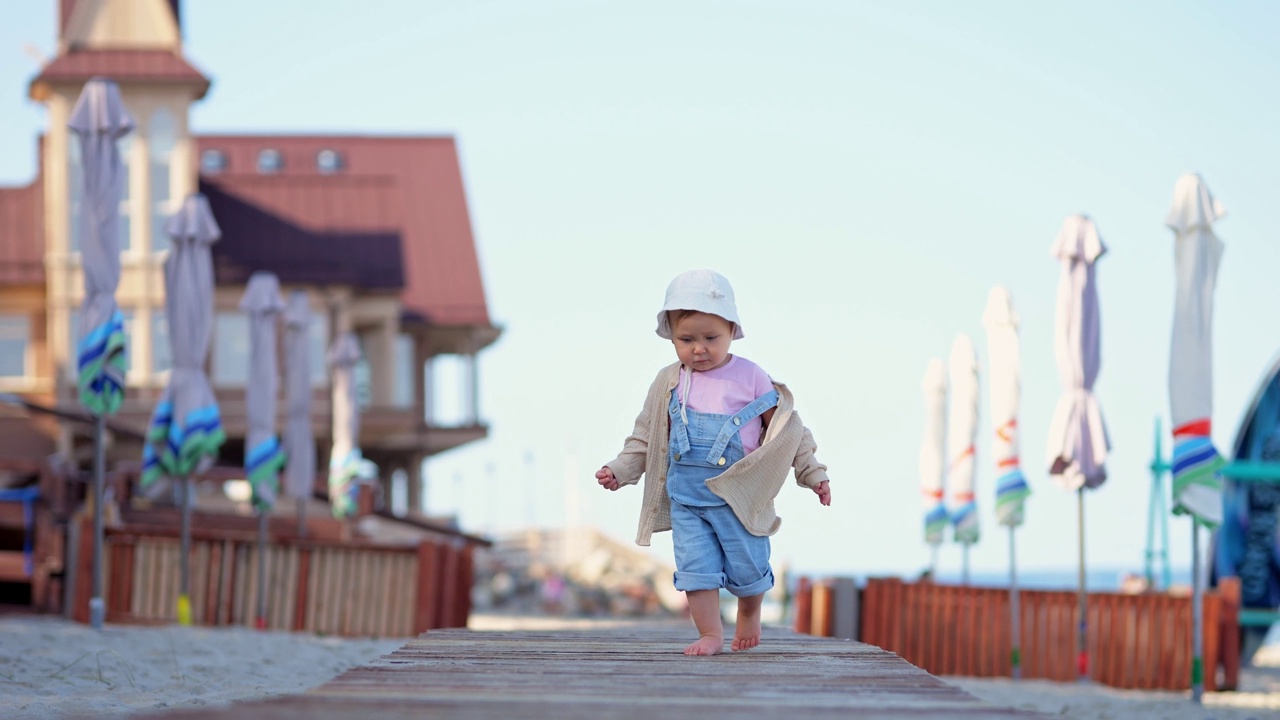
<point x="374" y="229"/>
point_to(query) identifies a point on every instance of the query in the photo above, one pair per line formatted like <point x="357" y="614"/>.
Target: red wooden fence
<point x="1134" y="641"/>
<point x="330" y="586"/>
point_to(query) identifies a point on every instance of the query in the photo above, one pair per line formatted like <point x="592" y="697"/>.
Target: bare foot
<point x="746" y="634"/>
<point x="706" y="645"/>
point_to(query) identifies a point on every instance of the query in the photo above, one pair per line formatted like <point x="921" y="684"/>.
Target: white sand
<point x="53" y="668"/>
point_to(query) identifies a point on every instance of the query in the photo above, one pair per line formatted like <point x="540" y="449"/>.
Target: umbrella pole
<point x="1015" y="612"/>
<point x="302" y="517"/>
<point x="964" y="564"/>
<point x="933" y="560"/>
<point x="97" y="608"/>
<point x="1082" y="627"/>
<point x="1197" y="618"/>
<point x="261" y="621"/>
<point x="184" y="587"/>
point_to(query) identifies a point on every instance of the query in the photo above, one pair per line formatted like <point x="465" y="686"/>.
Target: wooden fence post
<point x="428" y="593"/>
<point x="804" y="606"/>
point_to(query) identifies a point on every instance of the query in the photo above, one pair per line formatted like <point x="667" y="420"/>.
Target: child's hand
<point x="823" y="489"/>
<point x="605" y="477"/>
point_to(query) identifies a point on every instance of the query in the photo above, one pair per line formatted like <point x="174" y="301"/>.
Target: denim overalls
<point x="713" y="550"/>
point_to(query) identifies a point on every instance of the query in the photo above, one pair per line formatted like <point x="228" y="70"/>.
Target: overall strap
<point x="734" y="424"/>
<point x="679" y="440"/>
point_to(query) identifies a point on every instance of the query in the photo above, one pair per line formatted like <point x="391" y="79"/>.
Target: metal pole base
<point x="97" y="611"/>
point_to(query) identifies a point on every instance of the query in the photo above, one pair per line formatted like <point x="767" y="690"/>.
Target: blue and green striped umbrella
<point x="933" y="453"/>
<point x="99" y="120"/>
<point x="264" y="456"/>
<point x="186" y="431"/>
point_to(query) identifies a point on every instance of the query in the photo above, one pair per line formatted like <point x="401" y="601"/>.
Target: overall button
<point x="677" y="457"/>
<point x="737" y="421"/>
<point x="720" y="461"/>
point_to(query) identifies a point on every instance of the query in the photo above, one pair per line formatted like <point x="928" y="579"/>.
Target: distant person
<point x="715" y="441"/>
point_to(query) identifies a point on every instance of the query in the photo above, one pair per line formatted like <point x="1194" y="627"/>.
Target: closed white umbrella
<point x="1078" y="442"/>
<point x="933" y="457"/>
<point x="1005" y="363"/>
<point x="263" y="455"/>
<point x="186" y="432"/>
<point x="1197" y="487"/>
<point x="299" y="438"/>
<point x="99" y="120"/>
<point x="345" y="459"/>
<point x="962" y="432"/>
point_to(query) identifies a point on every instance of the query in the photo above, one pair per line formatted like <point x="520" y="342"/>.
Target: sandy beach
<point x="53" y="668"/>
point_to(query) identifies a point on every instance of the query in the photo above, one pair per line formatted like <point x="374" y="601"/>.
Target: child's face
<point x="702" y="341"/>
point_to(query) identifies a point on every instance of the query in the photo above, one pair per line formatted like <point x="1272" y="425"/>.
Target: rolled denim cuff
<point x="690" y="581"/>
<point x="754" y="588"/>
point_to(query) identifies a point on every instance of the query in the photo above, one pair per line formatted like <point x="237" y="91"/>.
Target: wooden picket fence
<point x="344" y="587"/>
<point x="1138" y="641"/>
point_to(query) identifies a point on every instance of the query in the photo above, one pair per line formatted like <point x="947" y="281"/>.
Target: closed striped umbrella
<point x="186" y="432"/>
<point x="264" y="456"/>
<point x="1197" y="487"/>
<point x="933" y="453"/>
<point x="1005" y="383"/>
<point x="99" y="120"/>
<point x="962" y="430"/>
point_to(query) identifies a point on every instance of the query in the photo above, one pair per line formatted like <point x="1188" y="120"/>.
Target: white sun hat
<point x="704" y="291"/>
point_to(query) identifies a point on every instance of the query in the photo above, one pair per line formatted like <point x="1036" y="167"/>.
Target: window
<point x="15" y="338"/>
<point x="213" y="162"/>
<point x="162" y="139"/>
<point x="402" y="393"/>
<point x="452" y="391"/>
<point x="328" y="161"/>
<point x="270" y="161"/>
<point x="231" y="349"/>
<point x="161" y="350"/>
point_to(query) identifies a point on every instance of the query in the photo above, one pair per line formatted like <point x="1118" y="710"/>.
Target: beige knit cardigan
<point x="748" y="486"/>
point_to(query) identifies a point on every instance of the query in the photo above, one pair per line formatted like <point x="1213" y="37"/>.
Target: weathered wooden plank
<point x="625" y="671"/>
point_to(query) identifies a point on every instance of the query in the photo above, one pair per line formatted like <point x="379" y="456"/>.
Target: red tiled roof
<point x="410" y="187"/>
<point x="121" y="65"/>
<point x="22" y="234"/>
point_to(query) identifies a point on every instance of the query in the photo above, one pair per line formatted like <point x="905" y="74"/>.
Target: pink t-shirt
<point x="726" y="390"/>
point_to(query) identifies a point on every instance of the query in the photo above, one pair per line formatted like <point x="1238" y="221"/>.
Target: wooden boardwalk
<point x="623" y="671"/>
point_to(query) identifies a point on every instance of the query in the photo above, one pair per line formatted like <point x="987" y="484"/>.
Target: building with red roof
<point x="375" y="229"/>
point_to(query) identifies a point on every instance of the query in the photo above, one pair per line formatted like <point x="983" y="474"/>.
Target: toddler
<point x="714" y="441"/>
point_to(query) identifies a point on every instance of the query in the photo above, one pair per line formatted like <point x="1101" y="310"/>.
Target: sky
<point x="863" y="173"/>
